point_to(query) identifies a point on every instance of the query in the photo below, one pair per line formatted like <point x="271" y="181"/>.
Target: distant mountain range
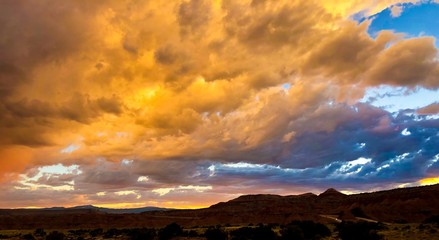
<point x="110" y="210"/>
<point x="411" y="205"/>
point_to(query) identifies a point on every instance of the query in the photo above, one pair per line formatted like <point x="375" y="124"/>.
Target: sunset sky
<point x="182" y="104"/>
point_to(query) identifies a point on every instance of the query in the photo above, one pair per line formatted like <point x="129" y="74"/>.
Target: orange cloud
<point x="187" y="80"/>
<point x="14" y="159"/>
<point x="430" y="109"/>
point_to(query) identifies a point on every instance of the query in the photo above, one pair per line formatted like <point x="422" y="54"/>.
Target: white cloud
<point x="164" y="191"/>
<point x="143" y="179"/>
<point x="126" y="162"/>
<point x="123" y="193"/>
<point x="352" y="167"/>
<point x="396" y="10"/>
<point x="405" y="132"/>
<point x="71" y="148"/>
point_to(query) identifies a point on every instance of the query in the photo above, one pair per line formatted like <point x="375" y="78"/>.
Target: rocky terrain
<point x="406" y="205"/>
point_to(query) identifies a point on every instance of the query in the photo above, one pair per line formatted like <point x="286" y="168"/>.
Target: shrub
<point x="191" y="233"/>
<point x="55" y="235"/>
<point x="96" y="232"/>
<point x="264" y="233"/>
<point x="28" y="236"/>
<point x="215" y="234"/>
<point x="39" y="232"/>
<point x="432" y="219"/>
<point x="292" y="232"/>
<point x="305" y="230"/>
<point x="170" y="231"/>
<point x="421" y="226"/>
<point x="259" y="233"/>
<point x="142" y="234"/>
<point x="78" y="232"/>
<point x="112" y="232"/>
<point x="359" y="231"/>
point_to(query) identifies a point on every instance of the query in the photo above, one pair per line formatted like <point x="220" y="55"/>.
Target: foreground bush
<point x="292" y="232"/>
<point x="28" y="236"/>
<point x="305" y="230"/>
<point x="359" y="231"/>
<point x="170" y="231"/>
<point x="258" y="233"/>
<point x="433" y="219"/>
<point x="142" y="234"/>
<point x="39" y="232"/>
<point x="78" y="232"/>
<point x="215" y="234"/>
<point x="96" y="232"/>
<point x="190" y="233"/>
<point x="55" y="235"/>
<point x="113" y="232"/>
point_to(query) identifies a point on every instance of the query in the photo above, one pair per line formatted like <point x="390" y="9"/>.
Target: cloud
<point x="352" y="57"/>
<point x="265" y="25"/>
<point x="350" y="155"/>
<point x="178" y="87"/>
<point x="194" y="15"/>
<point x="429" y="110"/>
<point x="396" y="11"/>
<point x="409" y="63"/>
<point x="14" y="160"/>
<point x="164" y="191"/>
<point x="365" y="8"/>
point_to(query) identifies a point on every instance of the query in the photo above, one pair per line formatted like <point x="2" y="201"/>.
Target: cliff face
<point x="398" y="205"/>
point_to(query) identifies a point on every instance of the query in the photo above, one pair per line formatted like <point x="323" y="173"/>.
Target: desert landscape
<point x="406" y="213"/>
<point x="219" y="119"/>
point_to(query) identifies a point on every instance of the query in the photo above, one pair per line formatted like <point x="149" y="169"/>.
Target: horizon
<point x="187" y="103"/>
<point x="111" y="206"/>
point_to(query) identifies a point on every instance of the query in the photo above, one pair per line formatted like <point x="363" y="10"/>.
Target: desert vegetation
<point x="296" y="230"/>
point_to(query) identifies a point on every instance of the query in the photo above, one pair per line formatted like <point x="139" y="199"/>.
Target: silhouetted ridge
<point x="106" y="210"/>
<point x="257" y="197"/>
<point x="412" y="205"/>
<point x="84" y="207"/>
<point x="331" y="192"/>
<point x="306" y="195"/>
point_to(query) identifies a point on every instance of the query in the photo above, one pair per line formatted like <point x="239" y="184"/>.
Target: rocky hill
<point x="398" y="205"/>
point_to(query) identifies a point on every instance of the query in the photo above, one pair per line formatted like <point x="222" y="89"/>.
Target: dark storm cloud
<point x="400" y="151"/>
<point x="378" y="130"/>
<point x="171" y="172"/>
<point x="27" y="121"/>
<point x="35" y="33"/>
<point x="105" y="175"/>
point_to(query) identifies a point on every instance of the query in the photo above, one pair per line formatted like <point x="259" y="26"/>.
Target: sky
<point x="183" y="104"/>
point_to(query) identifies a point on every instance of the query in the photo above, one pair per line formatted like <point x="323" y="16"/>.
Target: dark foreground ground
<point x="297" y="230"/>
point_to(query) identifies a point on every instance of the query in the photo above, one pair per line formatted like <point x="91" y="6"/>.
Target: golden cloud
<point x="193" y="79"/>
